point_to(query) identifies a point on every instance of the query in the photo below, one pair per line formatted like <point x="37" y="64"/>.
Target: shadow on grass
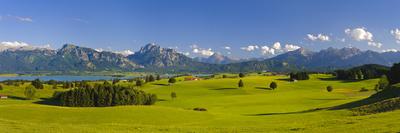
<point x="377" y="97"/>
<point x="162" y="100"/>
<point x="287" y="113"/>
<point x="47" y="101"/>
<point x="16" y="98"/>
<point x="263" y="88"/>
<point x="327" y="99"/>
<point x="224" y="89"/>
<point x="285" y="79"/>
<point x="335" y="79"/>
<point x="161" y="84"/>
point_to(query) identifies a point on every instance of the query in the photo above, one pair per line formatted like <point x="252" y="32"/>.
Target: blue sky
<point x="211" y="25"/>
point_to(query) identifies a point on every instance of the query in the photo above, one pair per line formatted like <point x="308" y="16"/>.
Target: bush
<point x="139" y="82"/>
<point x="1" y="87"/>
<point x="224" y="76"/>
<point x="30" y="92"/>
<point x="240" y="84"/>
<point x="273" y="85"/>
<point x="363" y="89"/>
<point x="329" y="88"/>
<point x="200" y="109"/>
<point x="173" y="95"/>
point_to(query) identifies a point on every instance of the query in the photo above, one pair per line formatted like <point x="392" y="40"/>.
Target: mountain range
<point x="153" y="58"/>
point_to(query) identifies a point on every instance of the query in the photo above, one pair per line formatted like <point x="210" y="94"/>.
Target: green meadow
<point x="302" y="106"/>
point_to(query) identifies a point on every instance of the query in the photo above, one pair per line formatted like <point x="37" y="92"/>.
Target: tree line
<point x="102" y="95"/>
<point x="369" y="71"/>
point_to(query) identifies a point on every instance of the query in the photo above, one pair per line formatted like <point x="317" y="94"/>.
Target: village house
<point x="3" y="96"/>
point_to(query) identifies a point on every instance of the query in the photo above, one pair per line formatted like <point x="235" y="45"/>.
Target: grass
<point x="293" y="106"/>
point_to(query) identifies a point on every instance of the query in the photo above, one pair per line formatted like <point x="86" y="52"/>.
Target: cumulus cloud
<point x="265" y="50"/>
<point x="396" y="34"/>
<point x="125" y="52"/>
<point x="390" y="50"/>
<point x="16" y="45"/>
<point x="24" y="19"/>
<point x="319" y="37"/>
<point x="201" y="51"/>
<point x="250" y="48"/>
<point x="277" y="45"/>
<point x="359" y="34"/>
<point x="291" y="47"/>
<point x="375" y="44"/>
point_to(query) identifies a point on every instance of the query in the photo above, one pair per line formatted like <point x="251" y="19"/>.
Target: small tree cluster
<point x="299" y="76"/>
<point x="149" y="78"/>
<point x="37" y="84"/>
<point x="241" y="75"/>
<point x="171" y="80"/>
<point x="102" y="95"/>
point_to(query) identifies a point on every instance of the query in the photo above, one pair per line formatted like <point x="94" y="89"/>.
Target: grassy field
<point x="293" y="107"/>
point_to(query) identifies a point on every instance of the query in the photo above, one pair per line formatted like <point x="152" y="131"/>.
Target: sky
<point x="237" y="28"/>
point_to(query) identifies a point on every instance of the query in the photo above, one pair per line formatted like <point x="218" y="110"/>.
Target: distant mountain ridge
<point x="153" y="58"/>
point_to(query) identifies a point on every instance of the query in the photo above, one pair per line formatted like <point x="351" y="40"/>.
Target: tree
<point x="329" y="88"/>
<point x="30" y="92"/>
<point x="241" y="75"/>
<point x="139" y="82"/>
<point x="224" y="76"/>
<point x="394" y="74"/>
<point x="273" y="85"/>
<point x="383" y="82"/>
<point x="240" y="84"/>
<point x="158" y="77"/>
<point x="151" y="78"/>
<point x="1" y="87"/>
<point x="173" y="95"/>
<point x="37" y="84"/>
<point x="171" y="80"/>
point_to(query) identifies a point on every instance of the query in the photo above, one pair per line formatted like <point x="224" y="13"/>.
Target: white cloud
<point x="390" y="50"/>
<point x="227" y="48"/>
<point x="375" y="44"/>
<point x="319" y="37"/>
<point x="359" y="34"/>
<point x="277" y="45"/>
<point x="396" y="34"/>
<point x="291" y="47"/>
<point x="16" y="45"/>
<point x="250" y="48"/>
<point x="203" y="52"/>
<point x="185" y="53"/>
<point x="24" y="19"/>
<point x="125" y="52"/>
<point x="265" y="50"/>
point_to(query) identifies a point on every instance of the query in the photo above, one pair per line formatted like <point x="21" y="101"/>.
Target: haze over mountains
<point x="153" y="58"/>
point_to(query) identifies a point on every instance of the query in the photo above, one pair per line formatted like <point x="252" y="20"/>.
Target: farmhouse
<point x="3" y="96"/>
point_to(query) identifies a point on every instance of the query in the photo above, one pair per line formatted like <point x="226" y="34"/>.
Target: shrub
<point x="240" y="84"/>
<point x="329" y="88"/>
<point x="1" y="87"/>
<point x="224" y="76"/>
<point x="273" y="85"/>
<point x="30" y="92"/>
<point x="200" y="109"/>
<point x="173" y="95"/>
